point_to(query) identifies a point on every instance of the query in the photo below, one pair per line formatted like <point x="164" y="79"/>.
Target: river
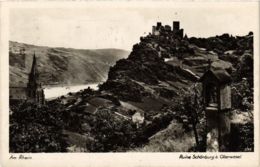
<point x="56" y="91"/>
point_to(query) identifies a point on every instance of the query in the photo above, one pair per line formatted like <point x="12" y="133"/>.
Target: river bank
<point x="57" y="91"/>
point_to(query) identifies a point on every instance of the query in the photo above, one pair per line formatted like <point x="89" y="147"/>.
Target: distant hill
<point x="59" y="65"/>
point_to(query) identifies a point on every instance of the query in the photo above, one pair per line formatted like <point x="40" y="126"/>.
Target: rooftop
<point x="221" y="75"/>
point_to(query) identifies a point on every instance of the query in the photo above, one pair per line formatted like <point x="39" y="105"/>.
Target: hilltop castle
<point x="32" y="92"/>
<point x="159" y="29"/>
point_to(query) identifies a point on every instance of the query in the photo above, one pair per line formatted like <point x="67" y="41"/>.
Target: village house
<point x="138" y="118"/>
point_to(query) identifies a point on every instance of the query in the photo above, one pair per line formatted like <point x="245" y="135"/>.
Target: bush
<point x="242" y="96"/>
<point x="111" y="133"/>
<point x="36" y="129"/>
<point x="245" y="69"/>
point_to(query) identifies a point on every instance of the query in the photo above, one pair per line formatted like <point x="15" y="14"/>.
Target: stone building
<point x="159" y="29"/>
<point x="32" y="92"/>
<point x="138" y="118"/>
<point x="18" y="92"/>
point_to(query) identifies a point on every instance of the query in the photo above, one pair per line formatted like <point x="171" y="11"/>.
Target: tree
<point x="110" y="132"/>
<point x="191" y="105"/>
<point x="36" y="129"/>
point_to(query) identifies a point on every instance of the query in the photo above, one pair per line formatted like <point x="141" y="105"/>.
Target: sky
<point x="121" y="27"/>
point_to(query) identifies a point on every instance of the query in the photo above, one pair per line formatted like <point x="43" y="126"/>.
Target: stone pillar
<point x="224" y="129"/>
<point x="218" y="130"/>
<point x="212" y="123"/>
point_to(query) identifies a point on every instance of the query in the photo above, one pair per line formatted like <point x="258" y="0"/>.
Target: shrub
<point x="111" y="133"/>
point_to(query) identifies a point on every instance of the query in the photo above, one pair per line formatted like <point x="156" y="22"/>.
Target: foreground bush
<point x="36" y="129"/>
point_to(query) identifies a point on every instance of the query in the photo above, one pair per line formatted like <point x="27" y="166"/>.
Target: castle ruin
<point x="159" y="29"/>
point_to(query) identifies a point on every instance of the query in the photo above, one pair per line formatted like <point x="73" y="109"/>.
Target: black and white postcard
<point x="127" y="83"/>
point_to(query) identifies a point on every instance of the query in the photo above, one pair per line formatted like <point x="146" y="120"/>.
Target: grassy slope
<point x="171" y="139"/>
<point x="61" y="64"/>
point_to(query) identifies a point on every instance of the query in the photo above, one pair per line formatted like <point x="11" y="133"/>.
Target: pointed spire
<point x="33" y="69"/>
<point x="33" y="76"/>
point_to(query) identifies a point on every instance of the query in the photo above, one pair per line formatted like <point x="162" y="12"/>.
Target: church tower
<point x="34" y="88"/>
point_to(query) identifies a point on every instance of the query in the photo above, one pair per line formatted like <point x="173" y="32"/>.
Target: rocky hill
<point x="59" y="65"/>
<point x="165" y="66"/>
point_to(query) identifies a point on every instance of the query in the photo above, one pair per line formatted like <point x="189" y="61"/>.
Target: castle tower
<point x="156" y="29"/>
<point x="159" y="25"/>
<point x="176" y="25"/>
<point x="34" y="89"/>
<point x="153" y="30"/>
<point x="176" y="29"/>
